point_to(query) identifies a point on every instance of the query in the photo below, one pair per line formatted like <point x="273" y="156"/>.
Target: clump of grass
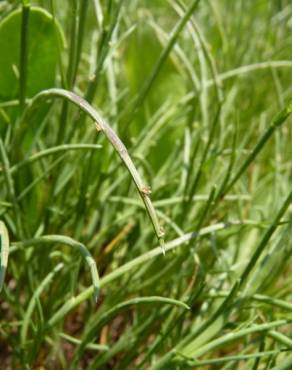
<point x="198" y="97"/>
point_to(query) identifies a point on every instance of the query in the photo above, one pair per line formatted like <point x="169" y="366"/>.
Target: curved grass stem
<point x="101" y="125"/>
<point x="48" y="239"/>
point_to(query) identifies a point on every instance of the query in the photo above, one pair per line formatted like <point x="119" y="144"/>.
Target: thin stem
<point x="49" y="239"/>
<point x="101" y="125"/>
<point x="103" y="51"/>
<point x="23" y="54"/>
<point x="163" y="57"/>
<point x="73" y="45"/>
<point x="277" y="122"/>
<point x="10" y="188"/>
<point x="47" y="152"/>
<point x="80" y="36"/>
<point x="264" y="242"/>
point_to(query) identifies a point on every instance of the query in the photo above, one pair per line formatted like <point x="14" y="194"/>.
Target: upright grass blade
<point x="179" y="7"/>
<point x="80" y="35"/>
<point x="189" y="193"/>
<point x="163" y="57"/>
<point x="10" y="188"/>
<point x="73" y="45"/>
<point x="29" y="311"/>
<point x="103" y="49"/>
<point x="4" y="252"/>
<point x="23" y="65"/>
<point x="39" y="178"/>
<point x="102" y="125"/>
<point x="59" y="44"/>
<point x="264" y="242"/>
<point x="277" y="122"/>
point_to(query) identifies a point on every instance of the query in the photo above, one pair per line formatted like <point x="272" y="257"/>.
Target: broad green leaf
<point x="44" y="36"/>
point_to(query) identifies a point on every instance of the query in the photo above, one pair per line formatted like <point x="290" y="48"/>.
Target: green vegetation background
<point x="200" y="94"/>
